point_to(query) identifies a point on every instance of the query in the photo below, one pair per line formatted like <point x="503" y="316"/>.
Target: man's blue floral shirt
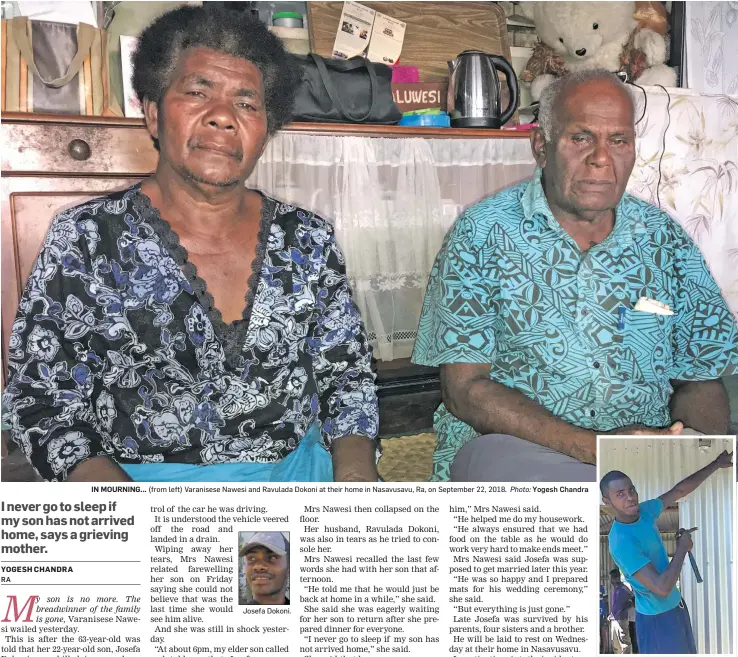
<point x="511" y="288"/>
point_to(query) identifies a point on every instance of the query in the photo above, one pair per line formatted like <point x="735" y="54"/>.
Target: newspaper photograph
<point x="354" y="31"/>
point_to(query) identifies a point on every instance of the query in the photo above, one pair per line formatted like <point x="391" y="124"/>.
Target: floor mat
<point x="407" y="458"/>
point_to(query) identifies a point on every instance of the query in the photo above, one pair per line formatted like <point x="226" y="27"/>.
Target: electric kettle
<point x="474" y="93"/>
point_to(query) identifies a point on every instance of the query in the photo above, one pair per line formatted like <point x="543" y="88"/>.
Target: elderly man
<point x="267" y="564"/>
<point x="532" y="310"/>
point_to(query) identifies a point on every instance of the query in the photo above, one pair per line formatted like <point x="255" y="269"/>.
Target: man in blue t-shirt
<point x="662" y="618"/>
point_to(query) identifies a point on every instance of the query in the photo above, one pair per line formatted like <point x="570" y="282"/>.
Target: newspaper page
<point x="335" y="569"/>
<point x="354" y="30"/>
<point x="367" y="569"/>
<point x="386" y="42"/>
<point x="425" y="569"/>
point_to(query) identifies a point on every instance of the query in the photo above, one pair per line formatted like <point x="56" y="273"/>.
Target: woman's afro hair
<point x="224" y="30"/>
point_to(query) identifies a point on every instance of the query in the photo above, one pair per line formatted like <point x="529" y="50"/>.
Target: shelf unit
<point x="327" y="129"/>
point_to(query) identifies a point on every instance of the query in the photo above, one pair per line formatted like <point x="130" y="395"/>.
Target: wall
<point x="655" y="466"/>
<point x="130" y="19"/>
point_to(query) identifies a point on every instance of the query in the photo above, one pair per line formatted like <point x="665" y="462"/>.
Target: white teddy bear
<point x="584" y="35"/>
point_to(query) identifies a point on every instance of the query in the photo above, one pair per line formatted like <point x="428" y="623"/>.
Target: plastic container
<point x="287" y="19"/>
<point x="440" y="120"/>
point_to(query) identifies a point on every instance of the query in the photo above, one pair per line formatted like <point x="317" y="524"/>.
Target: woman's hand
<point x="98" y="468"/>
<point x="354" y="459"/>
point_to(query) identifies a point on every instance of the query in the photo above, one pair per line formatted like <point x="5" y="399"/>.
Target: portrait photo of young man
<point x="666" y="532"/>
<point x="263" y="568"/>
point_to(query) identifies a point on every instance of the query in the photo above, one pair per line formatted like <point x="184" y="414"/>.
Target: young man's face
<point x="622" y="497"/>
<point x="266" y="572"/>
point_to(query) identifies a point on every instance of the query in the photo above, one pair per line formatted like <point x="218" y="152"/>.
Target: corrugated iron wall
<point x="655" y="465"/>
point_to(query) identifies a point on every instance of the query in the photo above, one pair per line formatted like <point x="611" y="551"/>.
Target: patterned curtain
<point x="710" y="45"/>
<point x="688" y="165"/>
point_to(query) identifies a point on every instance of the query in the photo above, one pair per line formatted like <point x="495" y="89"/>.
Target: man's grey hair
<point x="551" y="95"/>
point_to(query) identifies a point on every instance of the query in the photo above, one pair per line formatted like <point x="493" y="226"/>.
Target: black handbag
<point x="365" y="96"/>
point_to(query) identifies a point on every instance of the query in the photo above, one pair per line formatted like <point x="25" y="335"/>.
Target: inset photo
<point x="263" y="568"/>
<point x="666" y="545"/>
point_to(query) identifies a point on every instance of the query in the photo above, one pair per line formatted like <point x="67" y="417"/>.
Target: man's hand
<point x="684" y="539"/>
<point x="491" y="407"/>
<point x="587" y="442"/>
<point x="641" y="430"/>
<point x="725" y="460"/>
<point x="701" y="405"/>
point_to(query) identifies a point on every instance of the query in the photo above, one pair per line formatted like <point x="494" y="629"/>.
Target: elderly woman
<point x="189" y="328"/>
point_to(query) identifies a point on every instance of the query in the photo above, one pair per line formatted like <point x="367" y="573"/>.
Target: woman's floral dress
<point x="118" y="350"/>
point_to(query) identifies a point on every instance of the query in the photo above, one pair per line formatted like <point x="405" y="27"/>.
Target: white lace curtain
<point x="391" y="202"/>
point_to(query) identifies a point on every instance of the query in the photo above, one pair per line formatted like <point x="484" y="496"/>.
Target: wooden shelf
<point x="326" y="129"/>
<point x="346" y="129"/>
<point x="70" y="119"/>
